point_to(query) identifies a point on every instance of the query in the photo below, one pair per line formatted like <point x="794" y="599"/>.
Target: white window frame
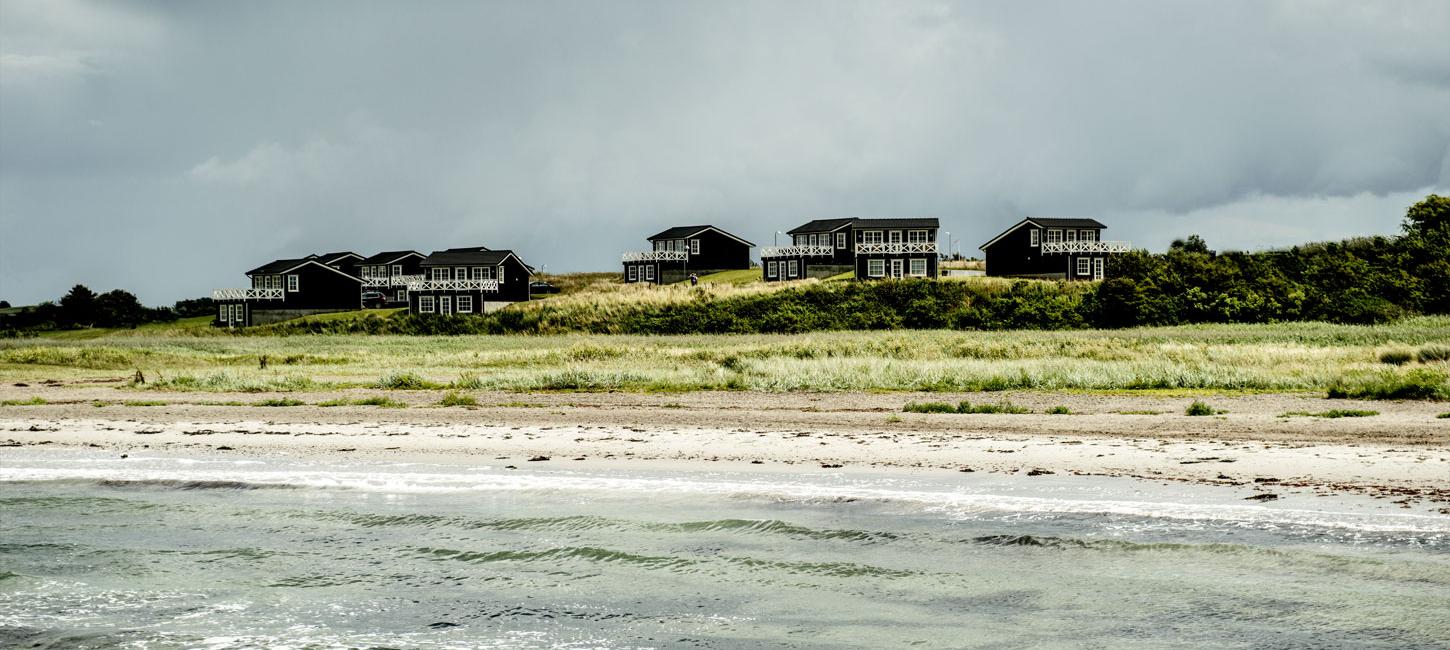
<point x="898" y="268"/>
<point x="840" y="240"/>
<point x="224" y="313"/>
<point x="465" y="304"/>
<point x="425" y="304"/>
<point x="1035" y="237"/>
<point x="1084" y="266"/>
<point x="916" y="237"/>
<point x="649" y="273"/>
<point x="875" y="268"/>
<point x="397" y="269"/>
<point x="772" y="270"/>
<point x="460" y="273"/>
<point x="402" y="295"/>
<point x="1098" y="270"/>
<point x="793" y="270"/>
<point x="239" y="313"/>
<point x="632" y="272"/>
<point x="1087" y="235"/>
<point x="440" y="273"/>
<point x="872" y="237"/>
<point x="499" y="274"/>
<point x="894" y="237"/>
<point x="1071" y="235"/>
<point x="293" y="283"/>
<point x="1054" y="236"/>
<point x="916" y="262"/>
<point x="445" y="305"/>
<point x="694" y="247"/>
<point x="476" y="272"/>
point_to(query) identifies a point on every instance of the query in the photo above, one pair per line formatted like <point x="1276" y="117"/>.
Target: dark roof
<point x="681" y="232"/>
<point x="1067" y="222"/>
<point x="819" y="225"/>
<point x="468" y="256"/>
<point x="279" y="266"/>
<point x="328" y="258"/>
<point x="387" y="257"/>
<point x="1049" y="222"/>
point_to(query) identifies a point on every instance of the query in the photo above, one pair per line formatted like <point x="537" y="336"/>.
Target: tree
<point x="4" y="304"/>
<point x="118" y="308"/>
<point x="78" y="307"/>
<point x="1193" y="244"/>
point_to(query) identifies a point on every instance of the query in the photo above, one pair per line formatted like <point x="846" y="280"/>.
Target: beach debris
<point x="21" y="384"/>
<point x="509" y="467"/>
<point x="138" y="378"/>
<point x="1039" y="472"/>
<point x="830" y="465"/>
<point x="966" y="470"/>
<point x="1267" y="496"/>
<point x="1266" y="479"/>
<point x="536" y="459"/>
<point x="442" y="625"/>
<point x="224" y="448"/>
<point x="125" y="455"/>
<point x="262" y="362"/>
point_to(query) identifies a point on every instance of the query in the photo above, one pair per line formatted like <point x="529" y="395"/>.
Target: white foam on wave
<point x="952" y="499"/>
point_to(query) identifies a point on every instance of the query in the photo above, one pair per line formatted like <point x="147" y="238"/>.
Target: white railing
<point x="797" y="251"/>
<point x="453" y="285"/>
<point x="656" y="256"/>
<point x="246" y="294"/>
<point x="391" y="280"/>
<point x="897" y="247"/>
<point x="1086" y="247"/>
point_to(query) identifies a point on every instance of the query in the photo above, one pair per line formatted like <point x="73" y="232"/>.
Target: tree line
<point x="81" y="307"/>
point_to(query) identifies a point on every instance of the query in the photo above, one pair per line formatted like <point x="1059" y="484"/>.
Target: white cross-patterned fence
<point x="656" y="256"/>
<point x="453" y="285"/>
<point x="1086" y="247"/>
<point x="391" y="280"/>
<point x="797" y="251"/>
<point x="896" y="248"/>
<point x="246" y="294"/>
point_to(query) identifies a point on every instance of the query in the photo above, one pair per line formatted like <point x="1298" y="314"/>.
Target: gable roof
<point x="329" y="258"/>
<point x="1048" y="222"/>
<point x="476" y="256"/>
<point x="820" y="225"/>
<point x="829" y="225"/>
<point x="278" y="267"/>
<point x="685" y="232"/>
<point x="388" y="257"/>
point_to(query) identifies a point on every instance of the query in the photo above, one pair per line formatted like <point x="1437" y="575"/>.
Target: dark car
<point x="540" y="287"/>
<point x="371" y="299"/>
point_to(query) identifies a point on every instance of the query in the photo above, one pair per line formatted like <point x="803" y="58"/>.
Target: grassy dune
<point x="1240" y="358"/>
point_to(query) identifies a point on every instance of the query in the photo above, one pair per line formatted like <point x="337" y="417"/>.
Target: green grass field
<point x="1290" y="357"/>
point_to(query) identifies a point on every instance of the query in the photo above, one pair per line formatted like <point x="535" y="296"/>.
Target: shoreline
<point x="1402" y="455"/>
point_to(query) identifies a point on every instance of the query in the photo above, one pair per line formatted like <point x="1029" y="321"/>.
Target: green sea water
<point x="209" y="552"/>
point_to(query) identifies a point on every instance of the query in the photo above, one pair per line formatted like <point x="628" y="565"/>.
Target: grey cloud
<point x="136" y="139"/>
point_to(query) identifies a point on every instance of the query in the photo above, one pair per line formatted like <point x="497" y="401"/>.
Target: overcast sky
<point x="167" y="148"/>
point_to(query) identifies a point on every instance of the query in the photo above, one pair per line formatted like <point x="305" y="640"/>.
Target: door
<point x="1097" y="268"/>
<point x="445" y="305"/>
<point x="896" y="268"/>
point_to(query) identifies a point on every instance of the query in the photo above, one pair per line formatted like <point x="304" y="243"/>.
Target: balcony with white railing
<point x="421" y="284"/>
<point x="246" y="294"/>
<point x="797" y="251"/>
<point x="896" y="248"/>
<point x="1086" y="247"/>
<point x="656" y="256"/>
<point x="390" y="280"/>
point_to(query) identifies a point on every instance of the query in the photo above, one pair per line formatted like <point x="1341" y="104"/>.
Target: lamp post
<point x="775" y="239"/>
<point x="948" y="233"/>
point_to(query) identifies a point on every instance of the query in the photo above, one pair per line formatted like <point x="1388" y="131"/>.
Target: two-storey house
<point x="468" y="281"/>
<point x="389" y="273"/>
<point x="867" y="248"/>
<point x="677" y="252"/>
<point x="1052" y="248"/>
<point x="285" y="289"/>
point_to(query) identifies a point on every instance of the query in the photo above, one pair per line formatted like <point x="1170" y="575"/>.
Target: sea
<point x="225" y="550"/>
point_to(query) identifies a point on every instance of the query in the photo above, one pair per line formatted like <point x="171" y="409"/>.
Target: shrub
<point x="1059" y="410"/>
<point x="1432" y="353"/>
<point x="456" y="399"/>
<point x="467" y="381"/>
<point x="1397" y="357"/>
<point x="1444" y="416"/>
<point x="1332" y="413"/>
<point x="405" y="381"/>
<point x="1420" y="384"/>
<point x="383" y="402"/>
<point x="282" y="401"/>
<point x="929" y="407"/>
<point x="34" y="401"/>
<point x="1199" y="408"/>
<point x="1000" y="407"/>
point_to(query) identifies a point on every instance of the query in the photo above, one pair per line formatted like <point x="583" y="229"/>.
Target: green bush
<point x="1333" y="413"/>
<point x="1417" y="384"/>
<point x="405" y="381"/>
<point x="1432" y="353"/>
<point x="1397" y="357"/>
<point x="282" y="401"/>
<point x="1000" y="407"/>
<point x="929" y="407"/>
<point x="34" y="401"/>
<point x="1059" y="410"/>
<point x="455" y="399"/>
<point x="1199" y="408"/>
<point x="467" y="382"/>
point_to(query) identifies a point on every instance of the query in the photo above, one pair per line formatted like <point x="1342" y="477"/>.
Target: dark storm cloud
<point x="168" y="147"/>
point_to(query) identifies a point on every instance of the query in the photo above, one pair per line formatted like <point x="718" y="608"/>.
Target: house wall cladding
<point x="1014" y="255"/>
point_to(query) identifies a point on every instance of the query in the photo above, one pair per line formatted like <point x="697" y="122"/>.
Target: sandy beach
<point x="1402" y="454"/>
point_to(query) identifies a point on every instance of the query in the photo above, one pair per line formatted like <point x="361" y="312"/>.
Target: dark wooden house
<point x="286" y="289"/>
<point x="389" y="273"/>
<point x="867" y="248"/>
<point x="345" y="261"/>
<point x="468" y="281"/>
<point x="1052" y="248"/>
<point x="677" y="252"/>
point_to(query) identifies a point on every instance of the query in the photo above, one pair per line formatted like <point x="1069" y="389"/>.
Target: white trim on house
<point x="293" y="283"/>
<point x="632" y="272"/>
<point x="1035" y="237"/>
<point x="841" y="241"/>
<point x="1054" y="236"/>
<point x="649" y="273"/>
<point x="875" y="268"/>
<point x="697" y="233"/>
<point x="793" y="268"/>
<point x="1084" y="266"/>
<point x="425" y="304"/>
<point x="465" y="304"/>
<point x="771" y="270"/>
<point x="917" y="262"/>
<point x="694" y="247"/>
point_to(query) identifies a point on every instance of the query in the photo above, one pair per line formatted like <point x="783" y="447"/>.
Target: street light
<point x="775" y="239"/>
<point x="948" y="233"/>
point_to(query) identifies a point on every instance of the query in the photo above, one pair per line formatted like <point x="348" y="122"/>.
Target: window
<point x="292" y="283"/>
<point x="649" y="272"/>
<point x="465" y="304"/>
<point x="875" y="268"/>
<point x="659" y="245"/>
<point x="1088" y="235"/>
<point x="1072" y="235"/>
<point x="1054" y="236"/>
<point x="1035" y="236"/>
<point x="476" y="272"/>
<point x="694" y="247"/>
<point x="425" y="304"/>
<point x="222" y="313"/>
<point x="633" y="272"/>
<point x="1082" y="266"/>
<point x="840" y="240"/>
<point x="918" y="267"/>
<point x="440" y="273"/>
<point x="917" y="236"/>
<point x="500" y="273"/>
<point x="397" y="269"/>
<point x="794" y="268"/>
<point x="772" y="270"/>
<point x="871" y="236"/>
<point x="402" y="295"/>
<point x="896" y="236"/>
<point x="460" y="273"/>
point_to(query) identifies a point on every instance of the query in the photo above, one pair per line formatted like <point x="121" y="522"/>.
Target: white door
<point x="445" y="305"/>
<point x="896" y="268"/>
<point x="1097" y="268"/>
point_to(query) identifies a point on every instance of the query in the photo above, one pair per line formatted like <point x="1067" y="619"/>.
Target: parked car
<point x="540" y="286"/>
<point x="373" y="299"/>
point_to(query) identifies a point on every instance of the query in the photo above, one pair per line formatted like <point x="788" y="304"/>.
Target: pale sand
<point x="1402" y="454"/>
